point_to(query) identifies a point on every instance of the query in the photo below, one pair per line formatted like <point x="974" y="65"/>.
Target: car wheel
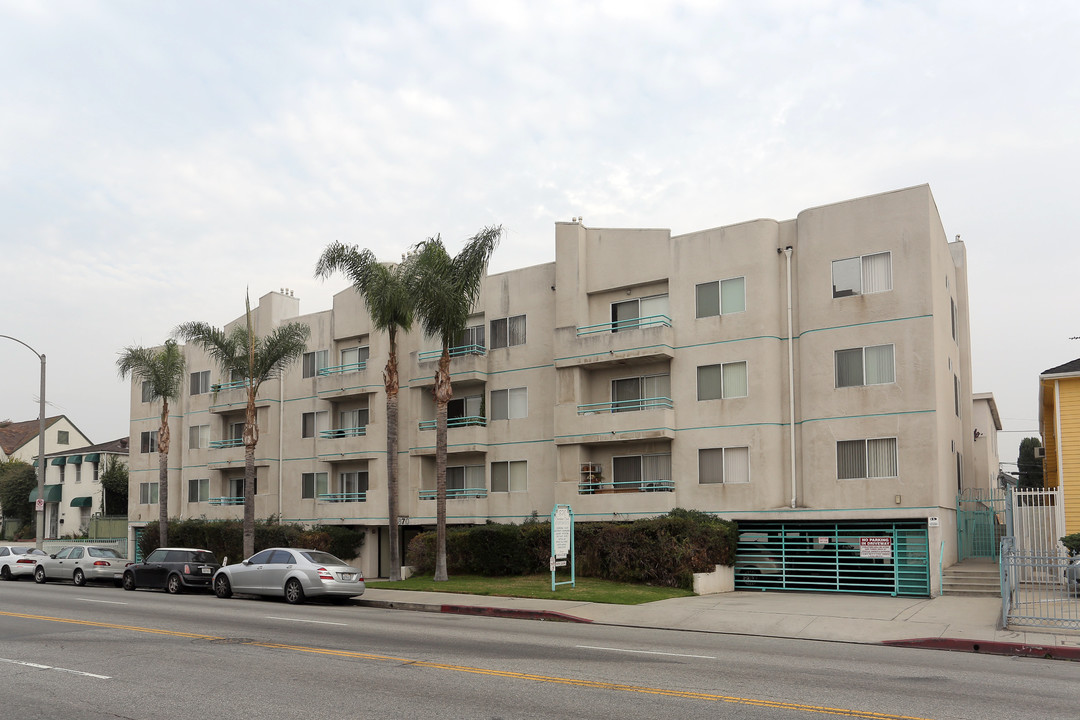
<point x="79" y="578"/>
<point x="294" y="592"/>
<point x="128" y="581"/>
<point x="39" y="575"/>
<point x="5" y="573"/>
<point x="750" y="576"/>
<point x="173" y="585"/>
<point x="222" y="588"/>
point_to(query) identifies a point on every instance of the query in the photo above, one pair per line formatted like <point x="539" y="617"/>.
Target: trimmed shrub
<point x="225" y="538"/>
<point x="664" y="551"/>
<point x="1072" y="543"/>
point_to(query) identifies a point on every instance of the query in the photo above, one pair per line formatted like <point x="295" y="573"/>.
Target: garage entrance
<point x="884" y="557"/>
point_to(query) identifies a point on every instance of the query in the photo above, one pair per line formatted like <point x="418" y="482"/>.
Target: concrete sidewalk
<point x="945" y="622"/>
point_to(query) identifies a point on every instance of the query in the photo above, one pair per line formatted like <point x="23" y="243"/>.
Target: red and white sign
<point x="875" y="547"/>
<point x="39" y="505"/>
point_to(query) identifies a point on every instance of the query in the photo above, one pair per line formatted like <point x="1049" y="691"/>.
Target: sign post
<point x="562" y="544"/>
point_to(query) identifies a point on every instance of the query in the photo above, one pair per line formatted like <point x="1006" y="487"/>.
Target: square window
<point x="857" y="459"/>
<point x="724" y="381"/>
<point x="862" y="275"/>
<point x="198" y="437"/>
<point x="198" y="490"/>
<point x="148" y="441"/>
<point x="509" y="476"/>
<point x="148" y="493"/>
<point x="724" y="465"/>
<point x="315" y="362"/>
<point x="873" y="365"/>
<point x="509" y="404"/>
<point x="200" y="382"/>
<point x="312" y="423"/>
<point x="62" y="437"/>
<point x="313" y="484"/>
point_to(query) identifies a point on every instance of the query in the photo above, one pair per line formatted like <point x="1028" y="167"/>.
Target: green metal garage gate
<point x="886" y="557"/>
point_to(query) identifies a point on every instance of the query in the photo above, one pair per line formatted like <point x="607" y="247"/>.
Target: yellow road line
<point x="572" y="682"/>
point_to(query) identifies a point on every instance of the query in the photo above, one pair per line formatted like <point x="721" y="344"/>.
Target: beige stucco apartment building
<point x="810" y="378"/>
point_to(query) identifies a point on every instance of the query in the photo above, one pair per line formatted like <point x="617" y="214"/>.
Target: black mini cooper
<point x="174" y="569"/>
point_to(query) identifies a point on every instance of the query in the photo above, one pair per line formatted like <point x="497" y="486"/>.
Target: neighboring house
<point x="1059" y="425"/>
<point x="987" y="424"/>
<point x="20" y="439"/>
<point x="810" y="378"/>
<point x="73" y="491"/>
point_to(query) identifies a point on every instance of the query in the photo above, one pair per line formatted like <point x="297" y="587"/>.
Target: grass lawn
<point x="539" y="586"/>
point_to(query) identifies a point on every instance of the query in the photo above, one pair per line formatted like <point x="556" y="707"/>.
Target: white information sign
<point x="933" y="522"/>
<point x="875" y="547"/>
<point x="560" y="532"/>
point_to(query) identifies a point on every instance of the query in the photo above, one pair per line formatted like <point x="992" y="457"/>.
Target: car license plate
<point x="347" y="576"/>
<point x="205" y="571"/>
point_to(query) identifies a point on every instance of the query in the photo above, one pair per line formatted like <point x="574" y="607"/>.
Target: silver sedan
<point x="292" y="573"/>
<point x="82" y="564"/>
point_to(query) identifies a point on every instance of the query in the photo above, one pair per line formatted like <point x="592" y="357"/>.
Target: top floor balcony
<point x="467" y="362"/>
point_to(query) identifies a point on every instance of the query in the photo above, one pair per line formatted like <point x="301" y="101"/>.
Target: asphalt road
<point x="99" y="652"/>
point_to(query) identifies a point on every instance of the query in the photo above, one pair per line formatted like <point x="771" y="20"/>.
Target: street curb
<point x="990" y="647"/>
<point x="479" y="610"/>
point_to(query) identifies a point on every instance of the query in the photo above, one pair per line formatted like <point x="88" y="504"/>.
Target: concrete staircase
<point x="974" y="576"/>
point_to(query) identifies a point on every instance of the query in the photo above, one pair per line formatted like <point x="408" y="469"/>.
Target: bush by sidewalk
<point x="225" y="538"/>
<point x="663" y="551"/>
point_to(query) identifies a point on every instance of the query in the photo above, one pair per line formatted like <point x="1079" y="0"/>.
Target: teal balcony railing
<point x="227" y="500"/>
<point x="346" y="368"/>
<point x="343" y="433"/>
<point x="343" y="497"/>
<point x="592" y="487"/>
<point x="230" y="443"/>
<point x="656" y="403"/>
<point x="629" y="324"/>
<point x="218" y="387"/>
<point x="455" y="493"/>
<point x="454" y="352"/>
<point x="471" y="420"/>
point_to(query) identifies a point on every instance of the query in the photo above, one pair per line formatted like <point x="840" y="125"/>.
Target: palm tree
<point x="162" y="369"/>
<point x="242" y="355"/>
<point x="445" y="289"/>
<point x="390" y="306"/>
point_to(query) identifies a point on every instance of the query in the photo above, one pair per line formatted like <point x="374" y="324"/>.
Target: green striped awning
<point x="82" y="502"/>
<point x="92" y="457"/>
<point x="53" y="493"/>
<point x="59" y="461"/>
<point x="74" y="460"/>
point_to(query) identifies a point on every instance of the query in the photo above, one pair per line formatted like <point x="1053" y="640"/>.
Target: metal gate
<point x="885" y="557"/>
<point x="980" y="522"/>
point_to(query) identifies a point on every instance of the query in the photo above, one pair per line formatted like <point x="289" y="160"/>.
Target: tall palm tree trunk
<point x="443" y="393"/>
<point x="390" y="378"/>
<point x="251" y="439"/>
<point x="163" y="475"/>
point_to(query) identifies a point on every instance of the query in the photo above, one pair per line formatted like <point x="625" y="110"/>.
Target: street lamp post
<point x="40" y="534"/>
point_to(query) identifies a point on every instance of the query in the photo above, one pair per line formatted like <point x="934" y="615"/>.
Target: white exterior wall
<point x="564" y="371"/>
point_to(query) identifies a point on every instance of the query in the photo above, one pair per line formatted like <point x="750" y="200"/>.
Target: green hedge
<point x="226" y="537"/>
<point x="1072" y="543"/>
<point x="664" y="551"/>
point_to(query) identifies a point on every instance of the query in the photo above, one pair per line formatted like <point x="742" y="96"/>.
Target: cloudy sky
<point x="158" y="158"/>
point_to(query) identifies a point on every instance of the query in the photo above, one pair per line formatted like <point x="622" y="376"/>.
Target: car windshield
<point x="103" y="552"/>
<point x="322" y="558"/>
<point x="203" y="556"/>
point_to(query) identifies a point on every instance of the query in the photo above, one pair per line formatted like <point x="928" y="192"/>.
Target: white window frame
<point x="507" y="404"/>
<point x="148" y="441"/>
<point x="199" y="382"/>
<point x="201" y="435"/>
<point x="147" y="395"/>
<point x="865" y="368"/>
<point x="472" y="335"/>
<point x="726" y="465"/>
<point x="723" y="385"/>
<point x="315" y="361"/>
<point x="643" y="382"/>
<point x="314" y="484"/>
<point x="504" y="334"/>
<point x="715" y="288"/>
<point x="362" y="352"/>
<point x="470" y="475"/>
<point x="148" y="493"/>
<point x="201" y="487"/>
<point x="866" y="460"/>
<point x="628" y="323"/>
<point x="864" y="271"/>
<point x="318" y="420"/>
<point x="507" y="484"/>
<point x="642" y="479"/>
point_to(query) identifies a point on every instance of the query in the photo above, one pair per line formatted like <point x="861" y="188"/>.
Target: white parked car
<point x="292" y="573"/>
<point x="82" y="564"/>
<point x="18" y="560"/>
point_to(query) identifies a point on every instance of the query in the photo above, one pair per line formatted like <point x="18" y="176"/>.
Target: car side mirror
<point x="247" y="562"/>
<point x="53" y="556"/>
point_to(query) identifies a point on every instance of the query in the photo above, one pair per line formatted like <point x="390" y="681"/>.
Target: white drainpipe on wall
<point x="280" y="438"/>
<point x="1057" y="432"/>
<point x="791" y="379"/>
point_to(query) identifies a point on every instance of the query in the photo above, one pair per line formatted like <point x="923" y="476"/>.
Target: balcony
<point x="230" y="443"/>
<point x="627" y="342"/>
<point x="616" y="421"/>
<point x="467" y="362"/>
<point x="602" y="487"/>
<point x="344" y="382"/>
<point x="227" y="500"/>
<point x="455" y="493"/>
<point x="339" y="433"/>
<point x="343" y="497"/>
<point x="231" y="396"/>
<point x="471" y="421"/>
<point x="346" y="368"/>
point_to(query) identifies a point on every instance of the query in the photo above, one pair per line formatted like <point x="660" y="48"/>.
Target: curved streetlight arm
<point x="40" y="534"/>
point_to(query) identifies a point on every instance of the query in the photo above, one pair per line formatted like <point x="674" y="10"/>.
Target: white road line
<point x="58" y="669"/>
<point x="645" y="652"/>
<point x="317" y="622"/>
<point x="110" y="602"/>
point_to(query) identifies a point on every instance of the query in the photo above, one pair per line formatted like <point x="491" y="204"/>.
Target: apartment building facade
<point x="809" y="378"/>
